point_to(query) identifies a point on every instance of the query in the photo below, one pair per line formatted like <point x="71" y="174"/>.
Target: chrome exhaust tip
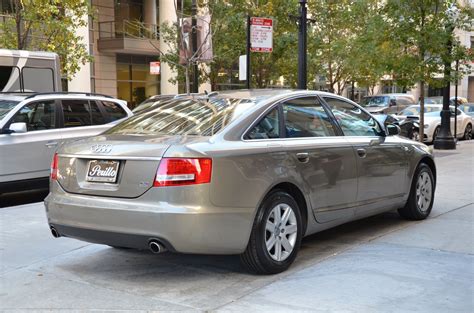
<point x="54" y="232"/>
<point x="155" y="246"/>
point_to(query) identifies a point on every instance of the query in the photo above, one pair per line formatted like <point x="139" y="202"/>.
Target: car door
<point x="325" y="161"/>
<point x="28" y="155"/>
<point x="382" y="161"/>
<point x="82" y="118"/>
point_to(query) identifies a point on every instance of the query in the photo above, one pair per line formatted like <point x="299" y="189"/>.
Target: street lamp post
<point x="445" y="140"/>
<point x="302" y="30"/>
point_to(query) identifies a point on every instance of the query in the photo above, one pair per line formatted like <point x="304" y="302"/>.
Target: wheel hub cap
<point x="280" y="232"/>
<point x="424" y="191"/>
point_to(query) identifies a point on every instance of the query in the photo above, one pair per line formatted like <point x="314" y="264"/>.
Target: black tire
<point x="412" y="209"/>
<point x="415" y="134"/>
<point x="256" y="258"/>
<point x="435" y="134"/>
<point x="468" y="132"/>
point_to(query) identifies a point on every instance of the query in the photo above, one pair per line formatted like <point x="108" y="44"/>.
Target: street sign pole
<point x="303" y="22"/>
<point x="248" y="74"/>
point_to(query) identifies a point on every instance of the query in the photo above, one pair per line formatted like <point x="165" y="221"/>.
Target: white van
<point x="28" y="71"/>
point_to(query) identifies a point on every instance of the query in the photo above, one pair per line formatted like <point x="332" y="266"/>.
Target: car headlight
<point x="426" y="125"/>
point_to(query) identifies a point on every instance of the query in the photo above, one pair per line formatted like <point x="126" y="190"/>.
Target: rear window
<point x="185" y="117"/>
<point x="6" y="106"/>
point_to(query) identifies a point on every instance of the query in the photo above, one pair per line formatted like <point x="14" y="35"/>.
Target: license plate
<point x="102" y="171"/>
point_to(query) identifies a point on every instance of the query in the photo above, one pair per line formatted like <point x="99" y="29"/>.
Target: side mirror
<point x="393" y="102"/>
<point x="18" y="128"/>
<point x="393" y="130"/>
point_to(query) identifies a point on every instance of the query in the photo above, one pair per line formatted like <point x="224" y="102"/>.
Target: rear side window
<point x="39" y="115"/>
<point x="113" y="111"/>
<point x="268" y="127"/>
<point x="305" y="117"/>
<point x="96" y="115"/>
<point x="38" y="79"/>
<point x="81" y="112"/>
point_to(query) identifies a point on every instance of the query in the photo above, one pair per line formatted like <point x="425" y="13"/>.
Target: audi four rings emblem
<point x="101" y="148"/>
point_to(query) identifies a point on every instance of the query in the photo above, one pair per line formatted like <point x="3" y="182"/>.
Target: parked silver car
<point x="33" y="125"/>
<point x="390" y="103"/>
<point x="242" y="172"/>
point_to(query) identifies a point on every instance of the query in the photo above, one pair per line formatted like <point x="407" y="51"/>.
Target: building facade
<point x="123" y="38"/>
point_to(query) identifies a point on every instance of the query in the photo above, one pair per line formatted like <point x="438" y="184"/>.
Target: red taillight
<point x="54" y="167"/>
<point x="179" y="172"/>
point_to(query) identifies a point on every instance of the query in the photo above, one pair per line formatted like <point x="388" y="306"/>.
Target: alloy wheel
<point x="281" y="232"/>
<point x="424" y="190"/>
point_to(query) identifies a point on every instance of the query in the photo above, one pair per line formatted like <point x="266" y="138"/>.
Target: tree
<point x="420" y="31"/>
<point x="229" y="21"/>
<point x="181" y="56"/>
<point x="48" y="25"/>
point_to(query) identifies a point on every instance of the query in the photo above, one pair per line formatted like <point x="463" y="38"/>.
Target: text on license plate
<point x="102" y="171"/>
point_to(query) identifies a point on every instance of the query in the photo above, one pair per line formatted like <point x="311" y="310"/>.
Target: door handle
<point x="361" y="153"/>
<point x="51" y="144"/>
<point x="303" y="157"/>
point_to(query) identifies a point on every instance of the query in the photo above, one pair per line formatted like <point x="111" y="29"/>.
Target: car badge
<point x="101" y="148"/>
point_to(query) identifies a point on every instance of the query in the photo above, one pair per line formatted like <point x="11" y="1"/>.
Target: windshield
<point x="185" y="117"/>
<point x="377" y="101"/>
<point x="415" y="110"/>
<point x="6" y="106"/>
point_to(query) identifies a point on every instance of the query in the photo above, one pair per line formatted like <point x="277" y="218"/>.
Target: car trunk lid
<point x="112" y="165"/>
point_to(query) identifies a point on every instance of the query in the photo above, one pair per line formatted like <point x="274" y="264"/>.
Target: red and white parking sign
<point x="261" y="34"/>
<point x="155" y="68"/>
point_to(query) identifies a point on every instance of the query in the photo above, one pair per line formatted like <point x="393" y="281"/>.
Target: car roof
<point x="20" y="96"/>
<point x="13" y="96"/>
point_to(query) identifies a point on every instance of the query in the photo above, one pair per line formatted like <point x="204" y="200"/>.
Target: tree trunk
<point x="18" y="21"/>
<point x="422" y="111"/>
<point x="187" y="79"/>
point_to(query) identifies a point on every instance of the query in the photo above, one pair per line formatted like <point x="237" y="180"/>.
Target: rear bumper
<point x="203" y="229"/>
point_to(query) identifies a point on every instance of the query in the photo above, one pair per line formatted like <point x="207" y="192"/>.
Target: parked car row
<point x="245" y="172"/>
<point x="400" y="109"/>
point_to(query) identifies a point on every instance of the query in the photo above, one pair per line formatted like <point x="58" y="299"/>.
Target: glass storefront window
<point x="134" y="81"/>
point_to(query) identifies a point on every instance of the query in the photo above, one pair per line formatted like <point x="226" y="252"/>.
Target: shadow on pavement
<point x="24" y="197"/>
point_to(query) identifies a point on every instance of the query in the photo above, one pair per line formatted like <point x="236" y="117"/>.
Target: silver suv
<point x="33" y="125"/>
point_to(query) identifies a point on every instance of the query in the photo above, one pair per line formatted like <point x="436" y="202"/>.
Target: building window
<point x="134" y="81"/>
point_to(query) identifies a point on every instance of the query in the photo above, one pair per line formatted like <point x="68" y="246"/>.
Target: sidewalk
<point x="378" y="264"/>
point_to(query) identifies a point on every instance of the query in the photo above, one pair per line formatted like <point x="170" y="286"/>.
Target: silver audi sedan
<point x="242" y="172"/>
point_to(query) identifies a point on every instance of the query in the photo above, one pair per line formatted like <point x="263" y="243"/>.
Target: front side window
<point x="305" y="117"/>
<point x="267" y="128"/>
<point x="39" y="115"/>
<point x="6" y="106"/>
<point x="353" y="121"/>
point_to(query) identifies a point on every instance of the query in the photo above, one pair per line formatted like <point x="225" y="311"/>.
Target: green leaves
<point x="49" y="25"/>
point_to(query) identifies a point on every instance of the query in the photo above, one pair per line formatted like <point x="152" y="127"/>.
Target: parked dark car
<point x="409" y="128"/>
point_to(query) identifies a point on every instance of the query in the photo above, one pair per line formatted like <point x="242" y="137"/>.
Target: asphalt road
<point x="379" y="264"/>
